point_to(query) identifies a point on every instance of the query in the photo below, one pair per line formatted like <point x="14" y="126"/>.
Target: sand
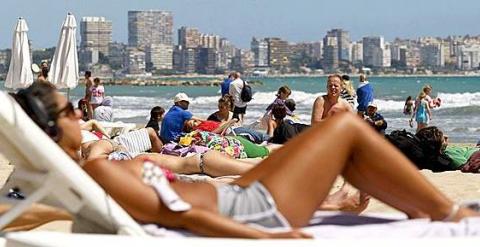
<point x="458" y="186"/>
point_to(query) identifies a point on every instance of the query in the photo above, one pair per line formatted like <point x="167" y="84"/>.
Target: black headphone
<point x="37" y="111"/>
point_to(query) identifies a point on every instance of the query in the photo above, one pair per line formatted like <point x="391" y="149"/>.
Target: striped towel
<point x="135" y="142"/>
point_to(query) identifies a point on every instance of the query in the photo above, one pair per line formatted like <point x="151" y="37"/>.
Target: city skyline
<point x="239" y="21"/>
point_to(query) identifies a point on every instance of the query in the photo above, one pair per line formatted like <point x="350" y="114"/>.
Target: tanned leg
<point x="215" y="164"/>
<point x="304" y="170"/>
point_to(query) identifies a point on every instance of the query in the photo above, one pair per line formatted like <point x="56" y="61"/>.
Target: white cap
<point x="181" y="97"/>
<point x="372" y="104"/>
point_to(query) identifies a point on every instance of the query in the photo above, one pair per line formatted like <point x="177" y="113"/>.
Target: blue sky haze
<point x="299" y="20"/>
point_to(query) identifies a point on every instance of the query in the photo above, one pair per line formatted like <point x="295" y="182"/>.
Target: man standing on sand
<point x="225" y="85"/>
<point x="364" y="95"/>
<point x="327" y="105"/>
<point x="88" y="93"/>
<point x="240" y="107"/>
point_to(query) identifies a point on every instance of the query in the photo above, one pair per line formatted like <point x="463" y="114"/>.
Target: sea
<point x="458" y="116"/>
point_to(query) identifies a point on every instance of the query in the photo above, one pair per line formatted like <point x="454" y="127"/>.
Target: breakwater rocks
<point x="169" y="82"/>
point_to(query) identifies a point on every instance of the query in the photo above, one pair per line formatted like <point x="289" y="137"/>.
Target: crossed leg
<point x="304" y="170"/>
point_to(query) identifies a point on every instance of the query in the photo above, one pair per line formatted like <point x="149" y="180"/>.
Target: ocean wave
<point x="132" y="106"/>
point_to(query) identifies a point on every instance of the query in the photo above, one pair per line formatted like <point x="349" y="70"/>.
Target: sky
<point x="240" y="20"/>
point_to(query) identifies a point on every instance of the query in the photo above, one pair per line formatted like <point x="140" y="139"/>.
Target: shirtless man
<point x="327" y="105"/>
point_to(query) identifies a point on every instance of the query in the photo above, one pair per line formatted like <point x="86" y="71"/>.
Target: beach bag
<point x="419" y="152"/>
<point x="246" y="95"/>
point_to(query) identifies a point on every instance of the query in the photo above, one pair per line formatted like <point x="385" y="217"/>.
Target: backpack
<point x="246" y="94"/>
<point x="421" y="153"/>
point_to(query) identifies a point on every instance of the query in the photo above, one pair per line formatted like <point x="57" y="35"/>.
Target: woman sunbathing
<point x="284" y="190"/>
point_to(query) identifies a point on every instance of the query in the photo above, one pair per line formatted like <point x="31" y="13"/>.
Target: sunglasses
<point x="68" y="110"/>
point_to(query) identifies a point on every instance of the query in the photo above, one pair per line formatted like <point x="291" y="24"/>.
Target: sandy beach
<point x="458" y="186"/>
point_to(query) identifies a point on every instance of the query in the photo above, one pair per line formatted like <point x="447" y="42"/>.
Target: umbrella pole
<point x="68" y="94"/>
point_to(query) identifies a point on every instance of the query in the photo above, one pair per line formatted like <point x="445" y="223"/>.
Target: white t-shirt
<point x="98" y="94"/>
<point x="236" y="90"/>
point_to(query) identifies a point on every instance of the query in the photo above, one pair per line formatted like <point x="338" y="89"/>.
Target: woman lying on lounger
<point x="284" y="190"/>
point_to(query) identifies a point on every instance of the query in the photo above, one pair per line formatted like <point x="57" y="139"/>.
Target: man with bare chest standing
<point x="330" y="104"/>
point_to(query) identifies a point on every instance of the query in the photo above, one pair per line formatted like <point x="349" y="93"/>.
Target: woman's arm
<point x="429" y="112"/>
<point x="223" y="126"/>
<point x="112" y="178"/>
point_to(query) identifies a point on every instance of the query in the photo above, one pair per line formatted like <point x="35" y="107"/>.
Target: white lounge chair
<point x="46" y="174"/>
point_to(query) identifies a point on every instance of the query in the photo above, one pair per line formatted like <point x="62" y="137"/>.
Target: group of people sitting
<point x="261" y="196"/>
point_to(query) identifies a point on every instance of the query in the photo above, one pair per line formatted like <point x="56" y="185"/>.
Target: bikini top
<point x="160" y="179"/>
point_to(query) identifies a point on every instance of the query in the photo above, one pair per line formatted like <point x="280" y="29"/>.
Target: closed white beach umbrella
<point x="64" y="68"/>
<point x="20" y="73"/>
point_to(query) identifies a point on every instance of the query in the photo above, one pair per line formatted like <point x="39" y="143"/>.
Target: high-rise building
<point x="206" y="60"/>
<point x="432" y="55"/>
<point x="410" y="56"/>
<point x="468" y="57"/>
<point x="117" y="54"/>
<point x="184" y="59"/>
<point x="317" y="50"/>
<point x="357" y="52"/>
<point x="189" y="37"/>
<point x="342" y="45"/>
<point x="330" y="53"/>
<point x="259" y="47"/>
<point x="278" y="53"/>
<point x="135" y="61"/>
<point x="243" y="60"/>
<point x="159" y="57"/>
<point x="96" y="34"/>
<point x="375" y="54"/>
<point x="210" y="41"/>
<point x="149" y="27"/>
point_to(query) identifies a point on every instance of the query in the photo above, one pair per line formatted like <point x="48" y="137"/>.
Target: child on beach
<point x="282" y="94"/>
<point x="432" y="102"/>
<point x="408" y="107"/>
<point x="97" y="93"/>
<point x="421" y="112"/>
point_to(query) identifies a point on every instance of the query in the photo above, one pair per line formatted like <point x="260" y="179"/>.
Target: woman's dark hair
<point x="156" y="112"/>
<point x="433" y="138"/>
<point x="44" y="72"/>
<point x="408" y="99"/>
<point x="290" y="104"/>
<point x="39" y="102"/>
<point x="279" y="111"/>
<point x="88" y="73"/>
<point x="96" y="80"/>
<point x="227" y="99"/>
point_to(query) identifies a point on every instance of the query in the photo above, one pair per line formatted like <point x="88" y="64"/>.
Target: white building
<point x="159" y="56"/>
<point x="468" y="57"/>
<point x="357" y="52"/>
<point x="259" y="47"/>
<point x="135" y="61"/>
